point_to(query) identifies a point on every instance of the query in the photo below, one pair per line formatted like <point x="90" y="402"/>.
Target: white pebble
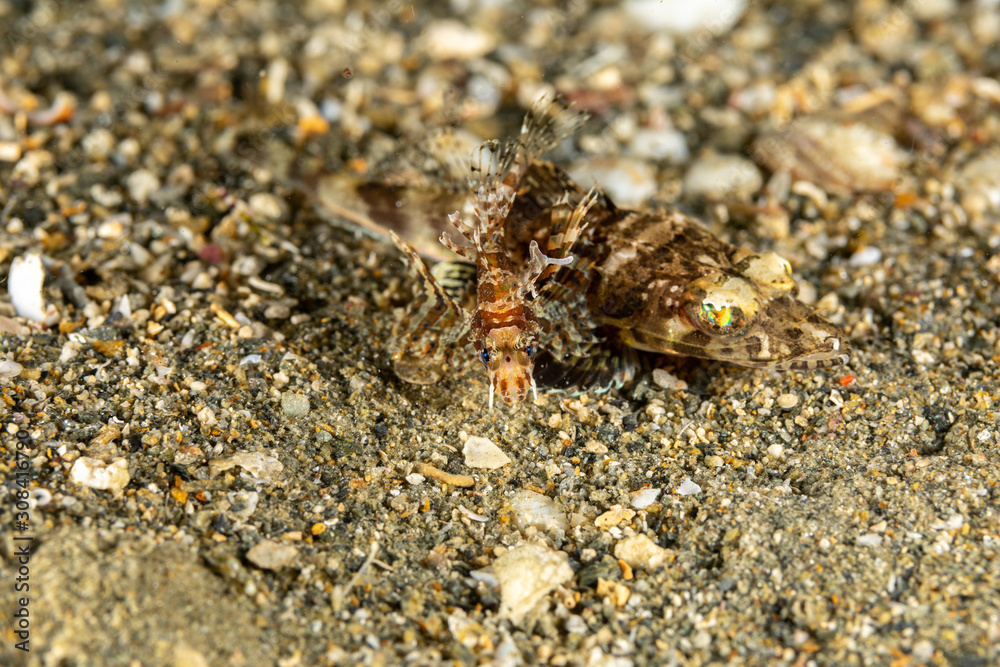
<point x="628" y="182"/>
<point x="641" y="552"/>
<point x="256" y="463"/>
<point x="114" y="227"/>
<point x="684" y="17"/>
<point x="788" y="401"/>
<point x="95" y="474"/>
<point x="294" y="405"/>
<point x="269" y="555"/>
<point x="482" y="453"/>
<point x="688" y="488"/>
<point x="865" y="257"/>
<point x="774" y="451"/>
<point x="141" y="184"/>
<point x="665" y="380"/>
<point x="24" y="283"/>
<point x="869" y="540"/>
<point x="444" y="40"/>
<point x="979" y="180"/>
<point x="534" y="509"/>
<point x="664" y="144"/>
<point x="645" y="497"/>
<point x="265" y="205"/>
<point x="10" y="151"/>
<point x="207" y="416"/>
<point x="10" y="369"/>
<point x="722" y="177"/>
<point x="526" y="575"/>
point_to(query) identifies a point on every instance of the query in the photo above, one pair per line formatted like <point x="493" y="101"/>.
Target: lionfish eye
<point x="719" y="319"/>
<point x="484" y="356"/>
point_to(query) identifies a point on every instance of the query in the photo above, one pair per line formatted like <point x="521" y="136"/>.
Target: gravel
<point x="225" y="470"/>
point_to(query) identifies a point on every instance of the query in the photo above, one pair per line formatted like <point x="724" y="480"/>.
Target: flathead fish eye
<point x="484" y="356"/>
<point x="718" y="318"/>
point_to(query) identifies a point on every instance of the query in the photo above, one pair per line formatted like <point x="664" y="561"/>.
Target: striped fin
<point x="457" y="279"/>
<point x="432" y="325"/>
<point x="546" y="124"/>
<point x="600" y="368"/>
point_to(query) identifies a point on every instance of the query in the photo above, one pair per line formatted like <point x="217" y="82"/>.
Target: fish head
<point x="509" y="356"/>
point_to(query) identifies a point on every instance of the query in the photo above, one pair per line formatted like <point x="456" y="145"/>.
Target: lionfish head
<point x="509" y="356"/>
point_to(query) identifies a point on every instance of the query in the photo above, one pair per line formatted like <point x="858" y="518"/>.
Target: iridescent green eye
<point x="719" y="316"/>
<point x="788" y="267"/>
<point x="719" y="319"/>
<point x="722" y="306"/>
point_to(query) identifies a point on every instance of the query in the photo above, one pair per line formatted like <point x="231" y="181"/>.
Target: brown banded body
<point x="574" y="293"/>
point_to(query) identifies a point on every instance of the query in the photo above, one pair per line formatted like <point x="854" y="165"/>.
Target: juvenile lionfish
<point x="504" y="325"/>
<point x="636" y="281"/>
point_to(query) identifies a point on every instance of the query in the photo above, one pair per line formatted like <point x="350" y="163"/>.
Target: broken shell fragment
<point x="839" y="157"/>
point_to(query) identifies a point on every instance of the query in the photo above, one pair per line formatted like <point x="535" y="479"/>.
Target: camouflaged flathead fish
<point x="570" y="289"/>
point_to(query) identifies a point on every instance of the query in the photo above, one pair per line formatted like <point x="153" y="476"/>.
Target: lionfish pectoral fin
<point x="457" y="279"/>
<point x="432" y="326"/>
<point x="603" y="367"/>
<point x="568" y="223"/>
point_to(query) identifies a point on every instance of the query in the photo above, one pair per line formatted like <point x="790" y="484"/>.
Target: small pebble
<point x="447" y="39"/>
<point x="96" y="474"/>
<point x="689" y="488"/>
<point x="866" y="256"/>
<point x="722" y="177"/>
<point x="202" y="281"/>
<point x="665" y="380"/>
<point x="257" y="464"/>
<point x="645" y="497"/>
<point x="869" y="540"/>
<point x="526" y="575"/>
<point x="666" y="144"/>
<point x="141" y="184"/>
<point x="538" y="510"/>
<point x="774" y="451"/>
<point x="269" y="555"/>
<point x="265" y="206"/>
<point x="294" y="405"/>
<point x="616" y="592"/>
<point x="10" y="151"/>
<point x="838" y="158"/>
<point x="629" y="182"/>
<point x="788" y="401"/>
<point x="24" y="283"/>
<point x="482" y="453"/>
<point x="684" y="17"/>
<point x="613" y="517"/>
<point x="639" y="551"/>
<point x="10" y="369"/>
